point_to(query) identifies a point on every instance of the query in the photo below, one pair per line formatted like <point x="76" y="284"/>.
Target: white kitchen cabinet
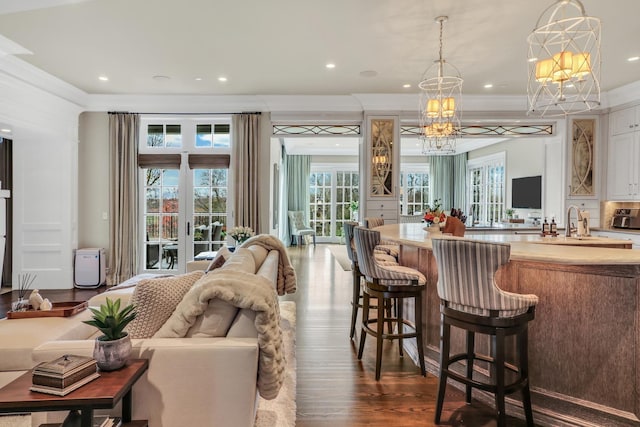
<point x="634" y="237"/>
<point x="383" y="209"/>
<point x="623" y="171"/>
<point x="625" y="121"/>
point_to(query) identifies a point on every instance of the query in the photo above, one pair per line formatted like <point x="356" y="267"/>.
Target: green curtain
<point x="441" y="172"/>
<point x="460" y="181"/>
<point x="297" y="172"/>
<point x="448" y="180"/>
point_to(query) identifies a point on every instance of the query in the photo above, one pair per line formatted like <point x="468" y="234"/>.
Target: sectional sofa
<point x="213" y="351"/>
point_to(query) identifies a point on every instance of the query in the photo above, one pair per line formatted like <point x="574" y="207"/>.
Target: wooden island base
<point x="584" y="343"/>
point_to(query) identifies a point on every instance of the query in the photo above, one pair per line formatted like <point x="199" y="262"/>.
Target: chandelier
<point x="564" y="61"/>
<point x="440" y="92"/>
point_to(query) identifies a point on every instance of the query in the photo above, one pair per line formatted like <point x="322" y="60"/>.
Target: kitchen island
<point x="584" y="344"/>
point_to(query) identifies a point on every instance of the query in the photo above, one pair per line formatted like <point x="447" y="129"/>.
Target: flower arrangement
<point x="240" y="234"/>
<point x="434" y="214"/>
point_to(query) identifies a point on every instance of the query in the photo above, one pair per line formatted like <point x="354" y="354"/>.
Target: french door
<point x="332" y="189"/>
<point x="184" y="194"/>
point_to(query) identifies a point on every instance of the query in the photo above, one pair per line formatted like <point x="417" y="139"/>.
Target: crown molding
<point x="33" y="76"/>
<point x="627" y="94"/>
<point x="176" y="103"/>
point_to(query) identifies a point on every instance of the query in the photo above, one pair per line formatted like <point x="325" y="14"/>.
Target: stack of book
<point x="106" y="421"/>
<point x="63" y="375"/>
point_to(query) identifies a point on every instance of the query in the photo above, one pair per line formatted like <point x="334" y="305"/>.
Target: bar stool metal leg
<point x="470" y="356"/>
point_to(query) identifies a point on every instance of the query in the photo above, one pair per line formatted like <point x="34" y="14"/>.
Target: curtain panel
<point x="245" y="160"/>
<point x="123" y="197"/>
<point x="298" y="170"/>
<point x="6" y="176"/>
<point x="448" y="180"/>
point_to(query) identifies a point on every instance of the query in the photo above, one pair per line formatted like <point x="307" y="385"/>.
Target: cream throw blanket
<point x="287" y="281"/>
<point x="243" y="290"/>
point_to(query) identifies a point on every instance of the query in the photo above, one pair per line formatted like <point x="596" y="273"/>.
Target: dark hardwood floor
<point x="334" y="388"/>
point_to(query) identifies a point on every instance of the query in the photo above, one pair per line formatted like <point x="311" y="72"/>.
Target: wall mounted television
<point x="526" y="192"/>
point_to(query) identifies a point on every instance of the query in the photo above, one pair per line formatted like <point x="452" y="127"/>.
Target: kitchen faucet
<point x="567" y="232"/>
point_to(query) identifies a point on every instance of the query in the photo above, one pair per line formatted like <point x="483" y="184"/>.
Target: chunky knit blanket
<point x="243" y="290"/>
<point x="287" y="282"/>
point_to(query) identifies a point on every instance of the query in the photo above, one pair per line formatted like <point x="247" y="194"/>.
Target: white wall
<point x="93" y="185"/>
<point x="44" y="132"/>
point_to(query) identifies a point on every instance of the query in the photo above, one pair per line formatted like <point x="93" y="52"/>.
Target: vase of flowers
<point x="434" y="216"/>
<point x="240" y="234"/>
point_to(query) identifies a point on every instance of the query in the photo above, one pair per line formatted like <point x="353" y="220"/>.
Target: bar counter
<point x="584" y="344"/>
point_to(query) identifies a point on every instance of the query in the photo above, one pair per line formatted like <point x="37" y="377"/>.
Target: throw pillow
<point x="156" y="299"/>
<point x="221" y="257"/>
<point x="241" y="260"/>
<point x="215" y="321"/>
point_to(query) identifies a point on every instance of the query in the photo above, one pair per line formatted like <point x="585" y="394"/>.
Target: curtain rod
<point x="187" y="114"/>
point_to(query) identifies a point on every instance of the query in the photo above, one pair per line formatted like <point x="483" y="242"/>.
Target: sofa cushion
<point x="241" y="260"/>
<point x="156" y="299"/>
<point x="20" y="336"/>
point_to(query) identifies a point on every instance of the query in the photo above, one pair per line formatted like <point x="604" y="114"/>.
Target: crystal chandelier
<point x="564" y="61"/>
<point x="440" y="93"/>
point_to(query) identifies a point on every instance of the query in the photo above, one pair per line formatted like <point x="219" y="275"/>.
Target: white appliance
<point x="90" y="268"/>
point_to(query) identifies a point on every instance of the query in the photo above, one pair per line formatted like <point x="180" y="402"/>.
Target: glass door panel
<point x="161" y="218"/>
<point x="209" y="209"/>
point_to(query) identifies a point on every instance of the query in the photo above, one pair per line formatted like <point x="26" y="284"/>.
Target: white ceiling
<point x="280" y="47"/>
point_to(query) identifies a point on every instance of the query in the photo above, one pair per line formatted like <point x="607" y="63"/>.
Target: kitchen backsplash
<point x="607" y="209"/>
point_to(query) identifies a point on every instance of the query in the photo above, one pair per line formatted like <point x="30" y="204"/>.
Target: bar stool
<point x="384" y="259"/>
<point x="388" y="248"/>
<point x="387" y="283"/>
<point x="471" y="300"/>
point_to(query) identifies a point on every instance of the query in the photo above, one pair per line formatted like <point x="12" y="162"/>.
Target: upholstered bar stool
<point x="388" y="248"/>
<point x="387" y="283"/>
<point x="471" y="300"/>
<point x="357" y="275"/>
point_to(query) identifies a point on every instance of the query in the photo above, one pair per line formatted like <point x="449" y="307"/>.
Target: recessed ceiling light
<point x="103" y="78"/>
<point x="406" y="86"/>
<point x="198" y="79"/>
<point x="488" y="86"/>
<point x="5" y="130"/>
<point x="222" y="79"/>
<point x="532" y="59"/>
<point x="330" y="65"/>
<point x="633" y="58"/>
<point x="337" y="145"/>
<point x="161" y="78"/>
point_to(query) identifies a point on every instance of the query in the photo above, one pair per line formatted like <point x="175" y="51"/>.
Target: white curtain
<point x="246" y="139"/>
<point x="297" y="170"/>
<point x="123" y="197"/>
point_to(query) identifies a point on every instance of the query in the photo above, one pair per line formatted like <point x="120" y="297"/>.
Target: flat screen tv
<point x="526" y="192"/>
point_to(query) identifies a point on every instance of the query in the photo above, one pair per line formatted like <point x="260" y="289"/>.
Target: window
<point x="184" y="188"/>
<point x="414" y="196"/>
<point x="332" y="189"/>
<point x="487" y="188"/>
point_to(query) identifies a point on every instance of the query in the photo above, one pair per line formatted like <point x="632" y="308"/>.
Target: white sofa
<point x="190" y="382"/>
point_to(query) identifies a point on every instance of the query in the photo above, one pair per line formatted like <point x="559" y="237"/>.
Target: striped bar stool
<point x="388" y="248"/>
<point x="357" y="275"/>
<point x="387" y="283"/>
<point x="471" y="300"/>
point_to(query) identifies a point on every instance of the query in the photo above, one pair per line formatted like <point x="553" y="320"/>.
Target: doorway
<point x="6" y="177"/>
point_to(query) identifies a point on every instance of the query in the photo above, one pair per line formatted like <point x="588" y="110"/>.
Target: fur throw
<point x="243" y="290"/>
<point x="287" y="282"/>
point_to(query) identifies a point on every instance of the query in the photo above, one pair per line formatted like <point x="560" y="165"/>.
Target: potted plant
<point x="113" y="348"/>
<point x="509" y="213"/>
<point x="353" y="207"/>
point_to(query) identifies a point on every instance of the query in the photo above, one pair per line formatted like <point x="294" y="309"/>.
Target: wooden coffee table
<point x="102" y="393"/>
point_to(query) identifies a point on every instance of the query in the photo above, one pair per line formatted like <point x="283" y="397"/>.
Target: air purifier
<point x="90" y="268"/>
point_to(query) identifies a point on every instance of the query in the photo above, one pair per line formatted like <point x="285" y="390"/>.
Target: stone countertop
<point x="528" y="247"/>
